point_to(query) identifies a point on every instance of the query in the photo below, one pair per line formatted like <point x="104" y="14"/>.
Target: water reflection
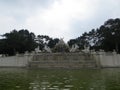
<point x="23" y="79"/>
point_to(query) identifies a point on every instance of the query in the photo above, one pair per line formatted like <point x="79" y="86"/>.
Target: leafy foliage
<point x="46" y="40"/>
<point x="17" y="41"/>
<point x="106" y="37"/>
<point x="61" y="48"/>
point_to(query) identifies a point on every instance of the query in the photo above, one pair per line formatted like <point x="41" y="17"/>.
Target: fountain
<point x="63" y="57"/>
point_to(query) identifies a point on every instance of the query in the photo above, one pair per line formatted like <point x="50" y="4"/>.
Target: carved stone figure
<point x="47" y="49"/>
<point x="74" y="48"/>
<point x="37" y="50"/>
<point x="86" y="49"/>
<point x="61" y="46"/>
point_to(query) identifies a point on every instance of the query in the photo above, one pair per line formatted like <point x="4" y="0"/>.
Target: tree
<point x="61" y="47"/>
<point x="72" y="42"/>
<point x="46" y="40"/>
<point x="17" y="41"/>
<point x="105" y="37"/>
<point x="109" y="35"/>
<point x="43" y="40"/>
<point x="80" y="41"/>
<point x="53" y="42"/>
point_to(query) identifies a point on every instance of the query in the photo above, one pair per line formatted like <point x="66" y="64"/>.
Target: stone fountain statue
<point x="74" y="48"/>
<point x="37" y="50"/>
<point x="86" y="49"/>
<point x="47" y="49"/>
<point x="61" y="46"/>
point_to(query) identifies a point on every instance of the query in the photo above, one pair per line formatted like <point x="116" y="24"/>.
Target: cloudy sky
<point x="57" y="18"/>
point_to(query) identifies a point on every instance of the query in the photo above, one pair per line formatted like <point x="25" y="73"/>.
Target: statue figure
<point x="61" y="42"/>
<point x="86" y="49"/>
<point x="37" y="50"/>
<point x="61" y="46"/>
<point x="74" y="48"/>
<point x="47" y="49"/>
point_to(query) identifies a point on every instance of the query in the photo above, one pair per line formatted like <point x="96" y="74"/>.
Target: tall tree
<point x="18" y="41"/>
<point x="53" y="42"/>
<point x="109" y="35"/>
<point x="105" y="37"/>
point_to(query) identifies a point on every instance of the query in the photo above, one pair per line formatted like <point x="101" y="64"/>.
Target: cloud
<point x="56" y="20"/>
<point x="15" y="12"/>
<point x="6" y="23"/>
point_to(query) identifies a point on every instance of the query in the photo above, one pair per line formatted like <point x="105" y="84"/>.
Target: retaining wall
<point x="108" y="59"/>
<point x="64" y="60"/>
<point x="15" y="61"/>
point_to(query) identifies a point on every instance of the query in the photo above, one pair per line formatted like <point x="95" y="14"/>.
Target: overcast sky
<point x="57" y="18"/>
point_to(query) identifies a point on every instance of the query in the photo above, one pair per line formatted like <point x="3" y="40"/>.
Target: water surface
<point x="51" y="79"/>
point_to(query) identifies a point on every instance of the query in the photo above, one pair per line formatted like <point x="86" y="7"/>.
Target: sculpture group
<point x="61" y="46"/>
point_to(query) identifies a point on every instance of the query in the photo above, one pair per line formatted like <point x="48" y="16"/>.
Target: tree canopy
<point x="105" y="37"/>
<point x="17" y="41"/>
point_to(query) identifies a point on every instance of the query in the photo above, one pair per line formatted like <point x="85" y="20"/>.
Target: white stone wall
<point x="109" y="60"/>
<point x="102" y="60"/>
<point x="14" y="61"/>
<point x="63" y="60"/>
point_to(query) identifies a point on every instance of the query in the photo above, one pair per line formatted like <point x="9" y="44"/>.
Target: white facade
<point x="14" y="61"/>
<point x="102" y="60"/>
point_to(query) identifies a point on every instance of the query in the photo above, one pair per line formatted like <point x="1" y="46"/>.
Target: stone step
<point x="60" y="60"/>
<point x="61" y="64"/>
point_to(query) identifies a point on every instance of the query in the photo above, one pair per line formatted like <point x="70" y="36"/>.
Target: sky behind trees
<point x="56" y="18"/>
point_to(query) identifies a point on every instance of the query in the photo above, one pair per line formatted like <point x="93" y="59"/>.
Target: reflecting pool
<point x="51" y="79"/>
